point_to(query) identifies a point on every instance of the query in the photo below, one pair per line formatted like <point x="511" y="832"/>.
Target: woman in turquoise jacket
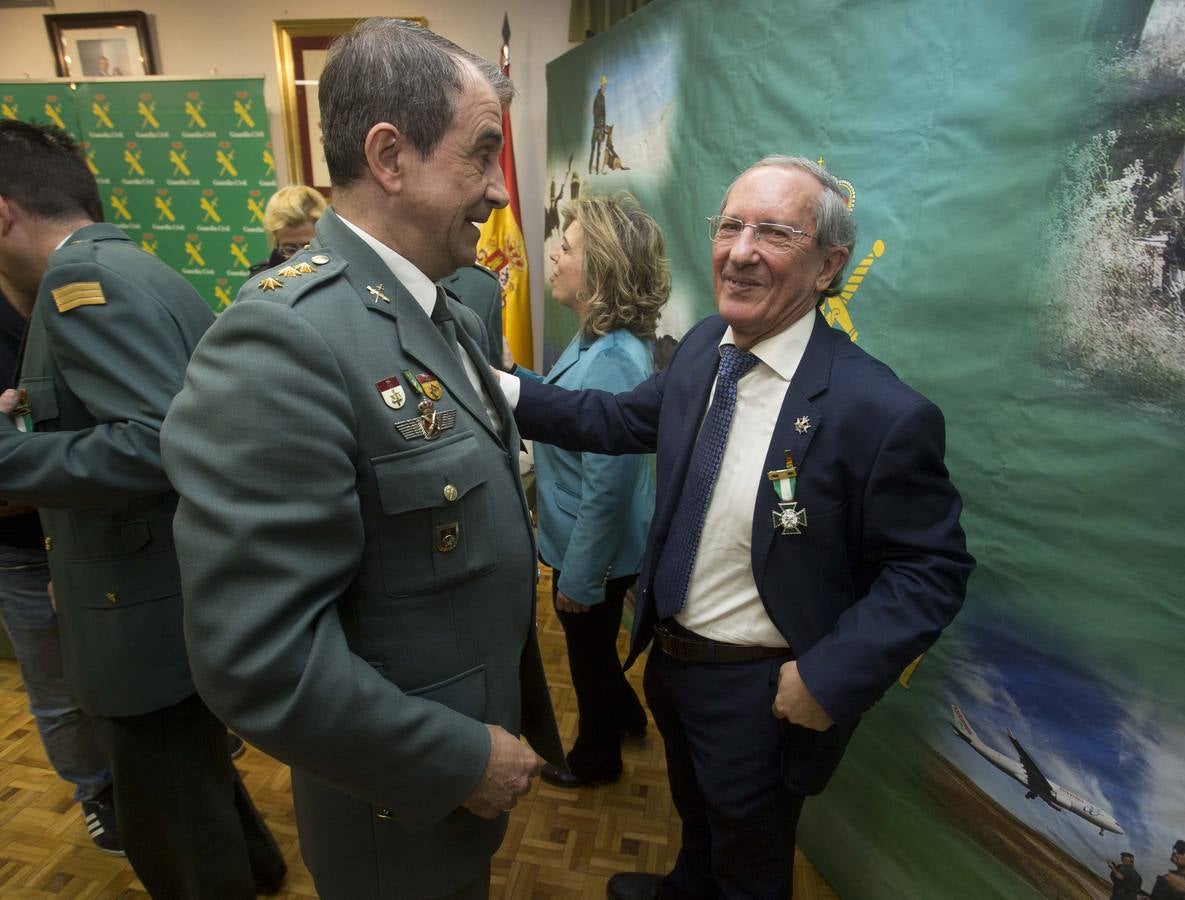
<point x="594" y="510"/>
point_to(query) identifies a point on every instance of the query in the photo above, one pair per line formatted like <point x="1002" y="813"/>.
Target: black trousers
<point x="724" y="748"/>
<point x="605" y="700"/>
<point x="189" y="828"/>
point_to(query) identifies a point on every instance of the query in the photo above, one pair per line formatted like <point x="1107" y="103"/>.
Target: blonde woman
<point x="594" y="510"/>
<point x="289" y="219"/>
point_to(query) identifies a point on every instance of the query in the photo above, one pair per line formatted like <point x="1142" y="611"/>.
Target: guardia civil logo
<point x="119" y="205"/>
<point x="53" y="111"/>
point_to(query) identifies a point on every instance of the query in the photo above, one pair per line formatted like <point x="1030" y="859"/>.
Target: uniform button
<point x="320" y="259"/>
<point x="450" y="492"/>
<point x="385" y="814"/>
<point x="111" y="596"/>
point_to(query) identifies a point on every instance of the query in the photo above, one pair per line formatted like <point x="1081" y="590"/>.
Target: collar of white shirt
<point x="419" y="285"/>
<point x="783" y="351"/>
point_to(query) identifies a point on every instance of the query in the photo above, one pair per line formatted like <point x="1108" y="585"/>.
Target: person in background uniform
<point x="366" y="585"/>
<point x="598" y="130"/>
<point x="1125" y="880"/>
<point x="805" y="546"/>
<point x="290" y="220"/>
<point x="66" y="731"/>
<point x="479" y="289"/>
<point x="594" y="510"/>
<point x="108" y="339"/>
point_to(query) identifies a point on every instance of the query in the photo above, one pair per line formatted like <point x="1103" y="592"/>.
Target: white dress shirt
<point x="423" y="289"/>
<point x="722" y="599"/>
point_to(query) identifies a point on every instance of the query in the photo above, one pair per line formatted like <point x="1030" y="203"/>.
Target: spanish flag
<point x="501" y="247"/>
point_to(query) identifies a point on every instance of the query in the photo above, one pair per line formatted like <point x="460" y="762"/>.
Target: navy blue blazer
<point x="881" y="567"/>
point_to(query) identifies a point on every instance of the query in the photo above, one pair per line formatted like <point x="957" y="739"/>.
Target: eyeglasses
<point x="286" y="250"/>
<point x="778" y="238"/>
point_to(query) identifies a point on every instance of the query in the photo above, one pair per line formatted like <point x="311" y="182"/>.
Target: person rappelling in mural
<point x="598" y="133"/>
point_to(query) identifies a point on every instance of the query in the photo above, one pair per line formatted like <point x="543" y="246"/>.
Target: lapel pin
<point x="376" y="291"/>
<point x="430" y="385"/>
<point x="392" y="392"/>
<point x="802" y="424"/>
<point x="411" y="380"/>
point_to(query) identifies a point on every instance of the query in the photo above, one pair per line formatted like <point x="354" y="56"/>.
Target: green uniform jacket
<point x="363" y="601"/>
<point x="106" y="349"/>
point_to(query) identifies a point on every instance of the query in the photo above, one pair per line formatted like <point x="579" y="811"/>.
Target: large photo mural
<point x="1015" y="175"/>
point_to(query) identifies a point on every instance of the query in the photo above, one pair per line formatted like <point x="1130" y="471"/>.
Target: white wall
<point x="234" y="37"/>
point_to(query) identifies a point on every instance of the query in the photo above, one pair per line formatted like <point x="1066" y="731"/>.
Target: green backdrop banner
<point x="184" y="167"/>
<point x="1016" y="169"/>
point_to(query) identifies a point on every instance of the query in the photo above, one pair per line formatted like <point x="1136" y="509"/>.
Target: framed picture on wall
<point x="301" y="48"/>
<point x="101" y="45"/>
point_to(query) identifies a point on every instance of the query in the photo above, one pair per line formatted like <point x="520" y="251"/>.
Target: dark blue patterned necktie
<point x="673" y="575"/>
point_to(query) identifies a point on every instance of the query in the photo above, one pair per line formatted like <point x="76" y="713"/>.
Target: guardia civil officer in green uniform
<point x="352" y="531"/>
<point x="109" y="335"/>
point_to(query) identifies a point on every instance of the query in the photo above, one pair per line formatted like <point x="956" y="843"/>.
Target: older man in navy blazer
<point x="806" y="542"/>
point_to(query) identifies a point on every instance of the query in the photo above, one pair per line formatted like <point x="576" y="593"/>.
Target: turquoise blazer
<point x="594" y="510"/>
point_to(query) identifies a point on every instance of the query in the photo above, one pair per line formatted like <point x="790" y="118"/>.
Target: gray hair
<point x="833" y="220"/>
<point x="390" y="70"/>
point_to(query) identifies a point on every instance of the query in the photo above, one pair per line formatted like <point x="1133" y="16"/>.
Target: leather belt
<point x="702" y="650"/>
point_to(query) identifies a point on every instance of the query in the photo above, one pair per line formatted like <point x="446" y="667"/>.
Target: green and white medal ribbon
<point x="787" y="516"/>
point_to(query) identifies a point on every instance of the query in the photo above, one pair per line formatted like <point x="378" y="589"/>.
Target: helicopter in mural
<point x="1025" y="771"/>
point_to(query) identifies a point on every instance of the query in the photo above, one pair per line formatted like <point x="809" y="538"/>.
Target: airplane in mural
<point x="1028" y="774"/>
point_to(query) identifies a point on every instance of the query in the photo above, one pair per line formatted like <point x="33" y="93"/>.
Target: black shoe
<point x="99" y="816"/>
<point x="565" y="779"/>
<point x="235" y="745"/>
<point x="634" y="886"/>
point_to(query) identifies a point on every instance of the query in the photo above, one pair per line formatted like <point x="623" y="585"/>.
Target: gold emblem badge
<point x="430" y="386"/>
<point x="447" y="537"/>
<point x="270" y="284"/>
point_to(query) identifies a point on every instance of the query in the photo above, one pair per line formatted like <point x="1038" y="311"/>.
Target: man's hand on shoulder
<point x="796" y="704"/>
<point x="511" y="766"/>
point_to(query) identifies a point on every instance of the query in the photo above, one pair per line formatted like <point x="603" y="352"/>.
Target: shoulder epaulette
<point x="286" y="283"/>
<point x="78" y="293"/>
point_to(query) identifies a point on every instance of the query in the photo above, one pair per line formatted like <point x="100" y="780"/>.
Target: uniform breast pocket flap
<point x="438" y="530"/>
<point x="41" y="397"/>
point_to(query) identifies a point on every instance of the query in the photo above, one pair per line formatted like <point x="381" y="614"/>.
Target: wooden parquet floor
<point x="560" y="843"/>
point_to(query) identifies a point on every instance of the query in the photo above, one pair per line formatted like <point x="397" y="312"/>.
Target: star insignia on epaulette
<point x="270" y="284"/>
<point x="288" y="272"/>
<point x="304" y="268"/>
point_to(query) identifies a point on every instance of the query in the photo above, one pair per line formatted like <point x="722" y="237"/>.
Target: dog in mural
<point x="612" y="160"/>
